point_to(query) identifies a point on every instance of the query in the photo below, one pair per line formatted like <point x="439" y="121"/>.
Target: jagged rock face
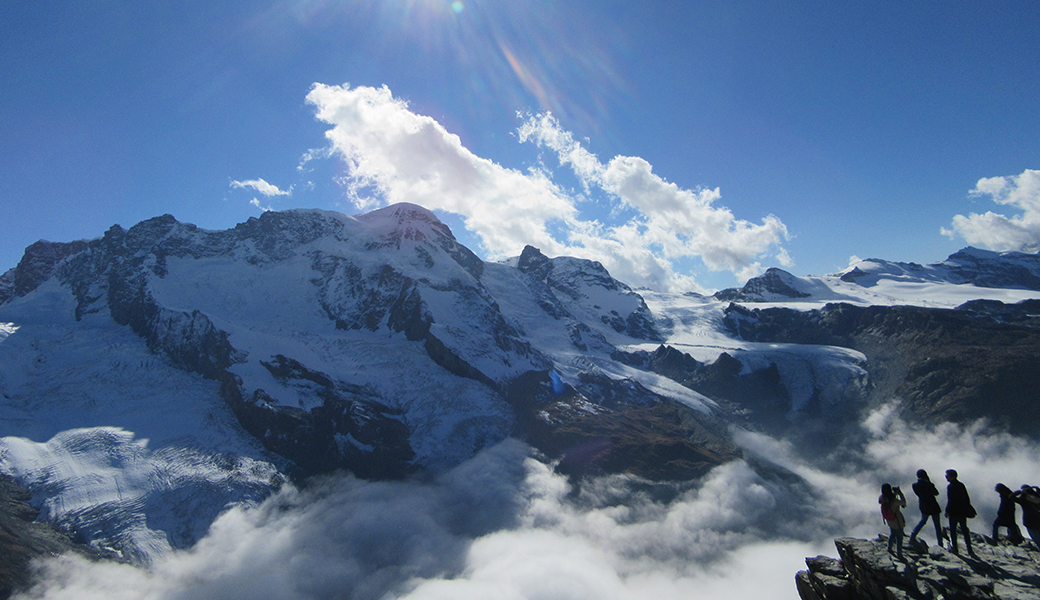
<point x="774" y="284"/>
<point x="605" y="426"/>
<point x="23" y="539"/>
<point x="993" y="270"/>
<point x="573" y="289"/>
<point x="866" y="571"/>
<point x="944" y="365"/>
<point x="758" y="397"/>
<point x="37" y="265"/>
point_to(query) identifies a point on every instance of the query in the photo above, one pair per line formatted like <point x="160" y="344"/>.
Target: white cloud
<point x="257" y="204"/>
<point x="395" y="155"/>
<point x="677" y="221"/>
<point x="407" y="157"/>
<point x="1019" y="232"/>
<point x="504" y="525"/>
<point x="261" y="186"/>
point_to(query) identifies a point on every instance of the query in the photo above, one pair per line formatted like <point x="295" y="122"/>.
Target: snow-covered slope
<point x="970" y="274"/>
<point x="154" y="376"/>
<point x="113" y="440"/>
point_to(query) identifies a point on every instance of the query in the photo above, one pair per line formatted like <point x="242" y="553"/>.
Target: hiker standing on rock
<point x="891" y="501"/>
<point x="1006" y="515"/>
<point x="958" y="510"/>
<point x="1029" y="498"/>
<point x="929" y="505"/>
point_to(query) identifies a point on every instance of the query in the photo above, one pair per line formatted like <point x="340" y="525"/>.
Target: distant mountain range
<point x="877" y="281"/>
<point x="153" y="376"/>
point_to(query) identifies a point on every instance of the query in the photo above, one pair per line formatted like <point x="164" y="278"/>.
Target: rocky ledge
<point x="866" y="571"/>
<point x="23" y="538"/>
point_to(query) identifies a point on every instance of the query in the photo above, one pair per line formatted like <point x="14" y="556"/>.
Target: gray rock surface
<point x="23" y="539"/>
<point x="867" y="571"/>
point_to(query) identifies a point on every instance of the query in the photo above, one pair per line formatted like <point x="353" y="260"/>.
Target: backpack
<point x="887" y="513"/>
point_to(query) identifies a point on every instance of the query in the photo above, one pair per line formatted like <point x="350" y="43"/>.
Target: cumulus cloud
<point x="1020" y="232"/>
<point x="395" y="155"/>
<point x="262" y="187"/>
<point x="504" y="525"/>
<point x="678" y="221"/>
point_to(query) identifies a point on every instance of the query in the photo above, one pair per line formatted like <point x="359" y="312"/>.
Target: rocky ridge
<point x="867" y="571"/>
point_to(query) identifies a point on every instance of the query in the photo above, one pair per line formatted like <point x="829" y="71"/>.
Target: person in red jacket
<point x="892" y="501"/>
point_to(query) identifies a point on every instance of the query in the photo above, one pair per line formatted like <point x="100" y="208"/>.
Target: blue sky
<point x="690" y="144"/>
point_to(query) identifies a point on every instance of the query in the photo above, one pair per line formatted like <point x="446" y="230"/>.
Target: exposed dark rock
<point x="943" y="365"/>
<point x="867" y="571"/>
<point x="853" y="275"/>
<point x="995" y="270"/>
<point x="23" y="539"/>
<point x="36" y="266"/>
<point x="350" y="430"/>
<point x="453" y="363"/>
<point x="617" y="427"/>
<point x="774" y="284"/>
<point x="7" y="285"/>
<point x="534" y="263"/>
<point x="757" y="398"/>
<point x="565" y="277"/>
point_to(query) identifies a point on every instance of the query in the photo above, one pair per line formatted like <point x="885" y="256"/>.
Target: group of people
<point x="958" y="511"/>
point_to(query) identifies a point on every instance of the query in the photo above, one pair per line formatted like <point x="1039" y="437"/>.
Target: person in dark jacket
<point x="1006" y="515"/>
<point x="929" y="505"/>
<point x="1029" y="498"/>
<point x="958" y="510"/>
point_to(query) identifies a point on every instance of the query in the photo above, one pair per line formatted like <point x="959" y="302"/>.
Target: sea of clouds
<point x="503" y="525"/>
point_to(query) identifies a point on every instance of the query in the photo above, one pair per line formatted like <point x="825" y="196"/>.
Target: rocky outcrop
<point x="866" y="571"/>
<point x="36" y="266"/>
<point x="569" y="281"/>
<point x="995" y="270"/>
<point x="775" y="284"/>
<point x="23" y="539"/>
<point x="610" y="426"/>
<point x="755" y="397"/>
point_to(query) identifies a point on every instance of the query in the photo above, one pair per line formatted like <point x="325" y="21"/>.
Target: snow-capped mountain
<point x="970" y="274"/>
<point x="156" y="375"/>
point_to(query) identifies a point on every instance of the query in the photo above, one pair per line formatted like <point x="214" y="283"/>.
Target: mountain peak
<point x="405" y="220"/>
<point x="774" y="284"/>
